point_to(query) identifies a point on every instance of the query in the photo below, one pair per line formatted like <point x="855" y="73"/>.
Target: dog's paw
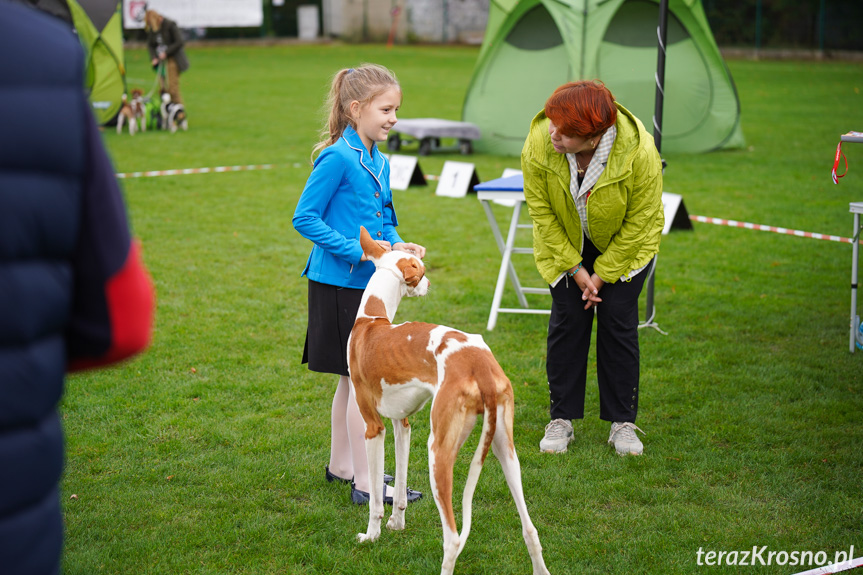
<point x="367" y="537"/>
<point x="396" y="523"/>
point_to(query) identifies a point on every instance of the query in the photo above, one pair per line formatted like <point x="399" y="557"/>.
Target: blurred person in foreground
<point x="73" y="291"/>
<point x="593" y="187"/>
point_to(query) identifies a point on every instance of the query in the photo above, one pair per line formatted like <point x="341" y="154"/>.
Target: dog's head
<point x="408" y="268"/>
<point x="137" y="94"/>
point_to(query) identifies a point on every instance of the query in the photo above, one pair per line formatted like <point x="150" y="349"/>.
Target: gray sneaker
<point x="624" y="439"/>
<point x="558" y="434"/>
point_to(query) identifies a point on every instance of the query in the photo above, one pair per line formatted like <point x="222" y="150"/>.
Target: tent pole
<point x="583" y="42"/>
<point x="662" y="35"/>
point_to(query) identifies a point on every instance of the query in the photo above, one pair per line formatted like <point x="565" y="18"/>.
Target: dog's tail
<point x="489" y="425"/>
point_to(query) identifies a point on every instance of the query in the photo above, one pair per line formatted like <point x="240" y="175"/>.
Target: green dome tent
<point x="99" y="25"/>
<point x="533" y="46"/>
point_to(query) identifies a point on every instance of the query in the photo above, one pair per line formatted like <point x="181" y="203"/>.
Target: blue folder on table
<point x="509" y="184"/>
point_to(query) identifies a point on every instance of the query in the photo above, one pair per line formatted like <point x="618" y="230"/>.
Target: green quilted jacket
<point x="624" y="211"/>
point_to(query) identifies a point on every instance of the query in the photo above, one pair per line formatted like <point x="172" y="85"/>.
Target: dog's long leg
<point x="488" y="424"/>
<point x="120" y="123"/>
<point x="375" y="455"/>
<point x="374" y="439"/>
<point x="402" y="435"/>
<point x="440" y="477"/>
<point x="450" y="427"/>
<point x="504" y="450"/>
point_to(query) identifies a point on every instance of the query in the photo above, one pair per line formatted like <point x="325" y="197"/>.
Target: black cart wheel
<point x="394" y="142"/>
<point x="425" y="146"/>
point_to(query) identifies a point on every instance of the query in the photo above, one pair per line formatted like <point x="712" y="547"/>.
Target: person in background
<point x="165" y="44"/>
<point x="593" y="187"/>
<point x="74" y="293"/>
<point x="348" y="188"/>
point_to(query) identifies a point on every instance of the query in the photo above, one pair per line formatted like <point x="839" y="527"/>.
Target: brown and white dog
<point x="132" y="113"/>
<point x="396" y="369"/>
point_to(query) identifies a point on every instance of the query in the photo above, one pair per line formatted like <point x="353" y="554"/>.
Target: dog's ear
<point x="412" y="272"/>
<point x="371" y="248"/>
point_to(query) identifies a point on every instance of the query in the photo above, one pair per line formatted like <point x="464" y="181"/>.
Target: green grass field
<point x="206" y="454"/>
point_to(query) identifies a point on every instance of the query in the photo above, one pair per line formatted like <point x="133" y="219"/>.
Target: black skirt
<point x="332" y="312"/>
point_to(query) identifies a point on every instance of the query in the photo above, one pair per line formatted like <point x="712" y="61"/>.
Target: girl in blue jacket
<point x="348" y="188"/>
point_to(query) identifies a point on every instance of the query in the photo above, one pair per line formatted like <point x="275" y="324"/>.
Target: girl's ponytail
<point x="337" y="120"/>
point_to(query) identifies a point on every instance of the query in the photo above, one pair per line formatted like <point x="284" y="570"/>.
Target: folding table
<point x="429" y="132"/>
<point x="510" y="190"/>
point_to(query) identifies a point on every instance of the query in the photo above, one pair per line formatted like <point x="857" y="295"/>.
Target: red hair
<point x="584" y="108"/>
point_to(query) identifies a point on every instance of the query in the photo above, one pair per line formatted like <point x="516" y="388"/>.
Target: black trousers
<point x="617" y="355"/>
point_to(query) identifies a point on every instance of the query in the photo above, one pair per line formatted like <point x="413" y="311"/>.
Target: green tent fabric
<point x="100" y="29"/>
<point x="533" y="46"/>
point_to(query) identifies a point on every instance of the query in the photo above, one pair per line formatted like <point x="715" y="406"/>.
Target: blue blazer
<point x="347" y="189"/>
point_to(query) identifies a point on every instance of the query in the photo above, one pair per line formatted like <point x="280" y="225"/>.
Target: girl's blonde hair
<point x="362" y="84"/>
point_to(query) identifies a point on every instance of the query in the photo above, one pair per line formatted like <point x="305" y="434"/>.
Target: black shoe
<point x="330" y="477"/>
<point x="362" y="498"/>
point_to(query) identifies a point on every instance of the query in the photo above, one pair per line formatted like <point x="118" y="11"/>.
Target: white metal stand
<point x="507" y="248"/>
<point x="856" y="208"/>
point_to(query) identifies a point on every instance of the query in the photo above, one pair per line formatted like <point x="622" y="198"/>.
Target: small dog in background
<point x="132" y="113"/>
<point x="173" y="115"/>
<point x="139" y="109"/>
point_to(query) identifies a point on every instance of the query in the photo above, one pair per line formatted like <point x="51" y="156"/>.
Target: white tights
<point x="347" y="442"/>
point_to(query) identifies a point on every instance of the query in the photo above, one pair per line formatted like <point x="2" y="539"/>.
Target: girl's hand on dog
<point x="384" y="244"/>
<point x="413" y="249"/>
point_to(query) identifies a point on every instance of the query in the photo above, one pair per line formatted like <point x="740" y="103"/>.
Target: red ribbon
<point x="836" y="163"/>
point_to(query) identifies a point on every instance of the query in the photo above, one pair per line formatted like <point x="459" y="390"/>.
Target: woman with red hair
<point x="593" y="186"/>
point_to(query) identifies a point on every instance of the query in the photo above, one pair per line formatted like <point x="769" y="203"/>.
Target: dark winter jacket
<point x="67" y="265"/>
<point x="169" y="38"/>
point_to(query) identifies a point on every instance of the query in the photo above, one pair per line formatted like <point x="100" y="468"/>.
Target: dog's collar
<point x="398" y="276"/>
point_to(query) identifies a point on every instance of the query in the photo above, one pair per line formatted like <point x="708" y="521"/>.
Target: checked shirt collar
<point x="591" y="175"/>
<point x="596" y="166"/>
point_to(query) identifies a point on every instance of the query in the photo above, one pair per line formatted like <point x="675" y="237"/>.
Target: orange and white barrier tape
<point x="839" y="155"/>
<point x="774" y="229"/>
<point x="700" y="219"/>
<point x="181" y="172"/>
